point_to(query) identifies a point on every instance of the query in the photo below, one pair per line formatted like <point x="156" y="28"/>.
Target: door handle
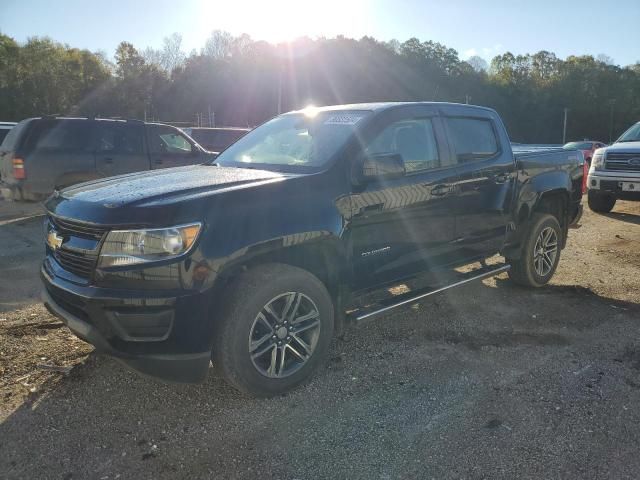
<point x="108" y="160"/>
<point x="440" y="190"/>
<point x="501" y="178"/>
<point x="378" y="207"/>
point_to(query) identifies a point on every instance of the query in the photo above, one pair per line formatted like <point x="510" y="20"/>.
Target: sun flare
<point x="285" y="20"/>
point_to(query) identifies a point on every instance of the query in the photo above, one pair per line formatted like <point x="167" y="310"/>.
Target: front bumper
<point x="611" y="183"/>
<point x="166" y="337"/>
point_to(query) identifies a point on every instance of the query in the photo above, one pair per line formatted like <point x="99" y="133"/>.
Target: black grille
<point x="629" y="162"/>
<point x="77" y="263"/>
<point x="80" y="262"/>
<point x="77" y="229"/>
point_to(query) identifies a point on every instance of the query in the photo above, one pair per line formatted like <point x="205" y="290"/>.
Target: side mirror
<point x="384" y="165"/>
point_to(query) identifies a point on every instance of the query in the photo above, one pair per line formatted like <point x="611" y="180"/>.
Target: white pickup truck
<point x="615" y="172"/>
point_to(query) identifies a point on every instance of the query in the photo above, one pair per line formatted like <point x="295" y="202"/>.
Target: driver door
<point x="168" y="147"/>
<point x="406" y="225"/>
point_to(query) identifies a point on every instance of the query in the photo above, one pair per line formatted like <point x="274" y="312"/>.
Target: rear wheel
<point x="276" y="330"/>
<point x="540" y="252"/>
<point x="601" y="202"/>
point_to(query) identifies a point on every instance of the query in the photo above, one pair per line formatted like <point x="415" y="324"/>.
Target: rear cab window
<point x="472" y="138"/>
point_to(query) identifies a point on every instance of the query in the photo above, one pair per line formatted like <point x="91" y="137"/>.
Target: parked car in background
<point x="615" y="172"/>
<point x="255" y="260"/>
<point x="42" y="154"/>
<point x="586" y="146"/>
<point x="4" y="129"/>
<point x="215" y="139"/>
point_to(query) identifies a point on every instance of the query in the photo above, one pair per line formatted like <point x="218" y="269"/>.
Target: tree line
<point x="245" y="82"/>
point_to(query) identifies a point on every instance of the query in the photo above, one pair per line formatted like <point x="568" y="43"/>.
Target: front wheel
<point x="601" y="202"/>
<point x="540" y="252"/>
<point x="276" y="329"/>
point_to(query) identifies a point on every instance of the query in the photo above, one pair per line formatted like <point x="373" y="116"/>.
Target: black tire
<point x="245" y="301"/>
<point x="601" y="202"/>
<point x="525" y="270"/>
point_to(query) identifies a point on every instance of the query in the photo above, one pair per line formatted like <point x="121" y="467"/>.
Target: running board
<point x="412" y="297"/>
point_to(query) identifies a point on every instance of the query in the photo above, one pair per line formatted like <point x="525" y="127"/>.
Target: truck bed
<point x="546" y="154"/>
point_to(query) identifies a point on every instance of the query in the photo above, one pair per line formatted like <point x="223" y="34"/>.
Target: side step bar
<point x="412" y="297"/>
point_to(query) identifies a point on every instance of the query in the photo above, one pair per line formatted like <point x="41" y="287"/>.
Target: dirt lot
<point x="488" y="381"/>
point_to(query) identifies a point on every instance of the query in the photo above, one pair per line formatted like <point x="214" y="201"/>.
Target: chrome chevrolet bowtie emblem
<point x="54" y="240"/>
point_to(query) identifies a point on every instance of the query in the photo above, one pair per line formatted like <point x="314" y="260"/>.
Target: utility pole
<point x="564" y="128"/>
<point x="280" y="92"/>
<point x="467" y="98"/>
<point x="612" y="102"/>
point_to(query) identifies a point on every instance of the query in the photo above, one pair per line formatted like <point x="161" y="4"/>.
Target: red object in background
<point x="587" y="147"/>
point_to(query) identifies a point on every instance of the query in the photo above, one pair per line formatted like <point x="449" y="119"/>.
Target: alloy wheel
<point x="284" y="335"/>
<point x="545" y="251"/>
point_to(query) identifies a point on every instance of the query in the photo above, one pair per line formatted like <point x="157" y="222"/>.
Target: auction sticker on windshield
<point x="344" y="119"/>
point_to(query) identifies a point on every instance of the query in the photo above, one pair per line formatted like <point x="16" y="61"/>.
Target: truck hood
<point x="150" y="186"/>
<point x="130" y="198"/>
<point x="624" y="147"/>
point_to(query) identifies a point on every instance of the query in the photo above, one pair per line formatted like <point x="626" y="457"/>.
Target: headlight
<point x="132" y="247"/>
<point x="597" y="162"/>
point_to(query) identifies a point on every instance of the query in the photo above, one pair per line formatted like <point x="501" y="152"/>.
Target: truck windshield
<point x="294" y="142"/>
<point x="631" y="135"/>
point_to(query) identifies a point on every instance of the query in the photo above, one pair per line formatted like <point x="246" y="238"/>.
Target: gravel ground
<point x="487" y="381"/>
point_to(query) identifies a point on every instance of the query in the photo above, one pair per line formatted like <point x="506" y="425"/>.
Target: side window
<point x="164" y="140"/>
<point x="67" y="135"/>
<point x="119" y="138"/>
<point x="414" y="139"/>
<point x="473" y="138"/>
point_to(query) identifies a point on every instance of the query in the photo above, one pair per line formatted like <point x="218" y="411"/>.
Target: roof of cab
<point x="380" y="106"/>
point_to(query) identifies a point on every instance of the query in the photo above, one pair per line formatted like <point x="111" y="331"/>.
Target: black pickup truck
<point x="252" y="261"/>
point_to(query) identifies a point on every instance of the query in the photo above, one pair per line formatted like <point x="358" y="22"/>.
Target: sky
<point x="481" y="27"/>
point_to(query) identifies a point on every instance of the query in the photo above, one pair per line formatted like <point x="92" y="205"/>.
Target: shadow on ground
<point x="487" y="380"/>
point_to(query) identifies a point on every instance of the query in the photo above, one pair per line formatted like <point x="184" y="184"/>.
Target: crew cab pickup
<point x="615" y="172"/>
<point x="252" y="260"/>
<point x="42" y="154"/>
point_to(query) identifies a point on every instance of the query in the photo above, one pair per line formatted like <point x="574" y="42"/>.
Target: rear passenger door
<point x="485" y="183"/>
<point x="119" y="148"/>
<point x="168" y="147"/>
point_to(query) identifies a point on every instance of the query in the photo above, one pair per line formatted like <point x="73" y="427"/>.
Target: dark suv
<point x="42" y="154"/>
